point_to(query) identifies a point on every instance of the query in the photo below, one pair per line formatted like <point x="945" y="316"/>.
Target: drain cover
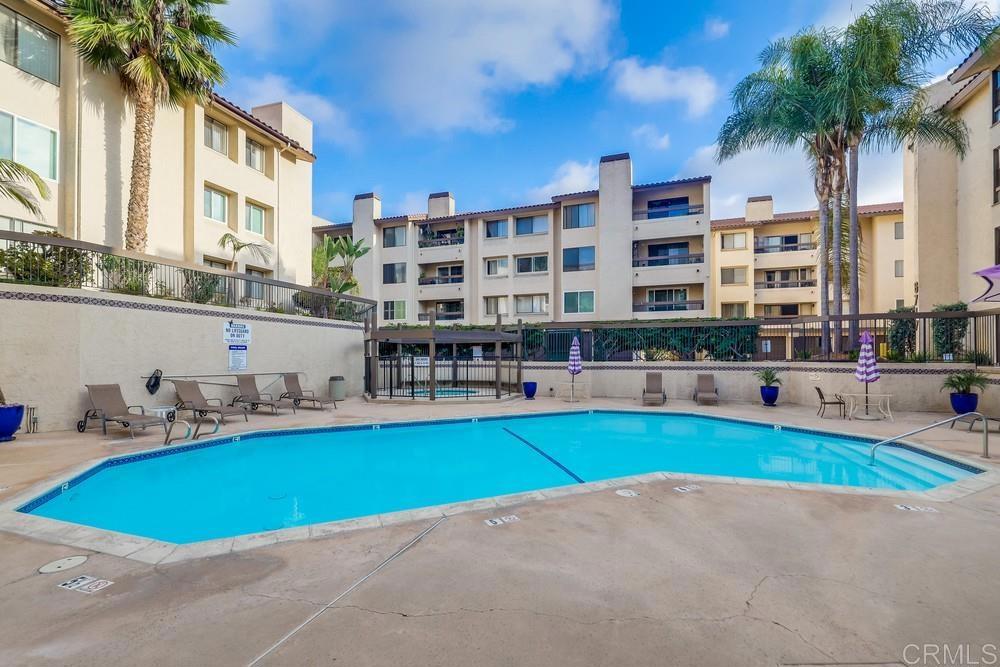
<point x="627" y="493"/>
<point x="62" y="564"/>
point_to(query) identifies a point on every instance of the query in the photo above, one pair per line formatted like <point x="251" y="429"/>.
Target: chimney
<point x="367" y="208"/>
<point x="440" y="205"/>
<point x="760" y="209"/>
<point x="287" y="120"/>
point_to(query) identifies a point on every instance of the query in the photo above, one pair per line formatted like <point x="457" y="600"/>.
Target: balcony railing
<point x="668" y="212"/>
<point x="785" y="247"/>
<point x="438" y="242"/>
<point x="35" y="259"/>
<point x="441" y="280"/>
<point x="423" y="317"/>
<point x="671" y="260"/>
<point x="781" y="284"/>
<point x="666" y="306"/>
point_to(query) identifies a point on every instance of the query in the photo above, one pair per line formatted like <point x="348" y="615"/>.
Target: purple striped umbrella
<point x="867" y="370"/>
<point x="575" y="366"/>
<point x="992" y="277"/>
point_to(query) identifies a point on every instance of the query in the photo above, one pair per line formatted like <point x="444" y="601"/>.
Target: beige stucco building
<point x="765" y="264"/>
<point x="953" y="203"/>
<point x="216" y="168"/>
<point x="619" y="252"/>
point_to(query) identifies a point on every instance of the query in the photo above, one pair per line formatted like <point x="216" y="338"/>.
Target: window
<point x="28" y="46"/>
<point x="455" y="270"/>
<point x="532" y="304"/>
<point x="668" y="208"/>
<point x="256" y="290"/>
<point x="394" y="273"/>
<point x="996" y="95"/>
<point x="788" y="277"/>
<point x="532" y="264"/>
<point x="996" y="175"/>
<point x="255" y="219"/>
<point x="578" y="302"/>
<point x="536" y="224"/>
<point x="497" y="267"/>
<point x="215" y="263"/>
<point x="900" y="303"/>
<point x="28" y="143"/>
<point x="394" y="310"/>
<point x="737" y="241"/>
<point x="736" y="275"/>
<point x="667" y="295"/>
<point x="897" y="230"/>
<point x="393" y="237"/>
<point x="216" y="135"/>
<point x="23" y="226"/>
<point x="782" y="310"/>
<point x="496" y="305"/>
<point x="734" y="311"/>
<point x="578" y="216"/>
<point x="496" y="229"/>
<point x="899" y="268"/>
<point x="216" y="205"/>
<point x="255" y="155"/>
<point x="578" y="259"/>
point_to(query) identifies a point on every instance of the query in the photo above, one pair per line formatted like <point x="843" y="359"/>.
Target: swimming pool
<point x="272" y="480"/>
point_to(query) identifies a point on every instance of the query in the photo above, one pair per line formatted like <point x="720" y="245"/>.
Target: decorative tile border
<point x="749" y="367"/>
<point x="167" y="308"/>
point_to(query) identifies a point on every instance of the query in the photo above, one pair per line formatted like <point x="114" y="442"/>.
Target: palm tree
<point x="234" y="244"/>
<point x="17" y="181"/>
<point x="348" y="252"/>
<point x="161" y="51"/>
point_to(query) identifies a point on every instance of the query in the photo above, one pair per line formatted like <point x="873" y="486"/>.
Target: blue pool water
<point x="280" y="480"/>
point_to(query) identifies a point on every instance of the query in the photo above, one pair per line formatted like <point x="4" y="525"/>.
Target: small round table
<point x="878" y="403"/>
<point x="168" y="412"/>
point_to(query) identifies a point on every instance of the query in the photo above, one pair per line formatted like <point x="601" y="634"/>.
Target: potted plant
<point x="529" y="390"/>
<point x="769" y="385"/>
<point x="10" y="418"/>
<point x="961" y="384"/>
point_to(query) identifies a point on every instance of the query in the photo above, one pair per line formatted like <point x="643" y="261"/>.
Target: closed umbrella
<point x="575" y="367"/>
<point x="867" y="370"/>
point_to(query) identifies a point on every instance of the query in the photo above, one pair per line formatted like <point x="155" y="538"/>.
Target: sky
<point x="509" y="102"/>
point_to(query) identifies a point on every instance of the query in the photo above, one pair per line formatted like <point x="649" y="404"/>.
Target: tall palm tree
<point x="161" y="51"/>
<point x="17" y="182"/>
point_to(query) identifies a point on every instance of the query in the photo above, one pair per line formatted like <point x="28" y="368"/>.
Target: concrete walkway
<point x="725" y="575"/>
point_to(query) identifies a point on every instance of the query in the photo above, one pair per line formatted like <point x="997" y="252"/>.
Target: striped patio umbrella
<point x="575" y="366"/>
<point x="867" y="370"/>
<point x="992" y="277"/>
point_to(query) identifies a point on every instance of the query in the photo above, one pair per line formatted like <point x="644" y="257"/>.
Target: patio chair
<point x="108" y="405"/>
<point x="971" y="421"/>
<point x="824" y="401"/>
<point x="251" y="396"/>
<point x="705" y="392"/>
<point x="295" y="393"/>
<point x="652" y="393"/>
<point x="190" y="398"/>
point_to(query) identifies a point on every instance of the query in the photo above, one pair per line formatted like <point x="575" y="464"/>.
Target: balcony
<point x="424" y="317"/>
<point x="670" y="260"/>
<point x="441" y="241"/>
<point x="784" y="247"/>
<point x="668" y="212"/>
<point x="679" y="221"/>
<point x="671" y="270"/>
<point x="441" y="280"/>
<point x="784" y="284"/>
<point x="667" y="306"/>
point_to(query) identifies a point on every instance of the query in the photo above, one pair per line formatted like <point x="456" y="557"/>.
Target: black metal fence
<point x="53" y="261"/>
<point x="962" y="336"/>
<point x="456" y="378"/>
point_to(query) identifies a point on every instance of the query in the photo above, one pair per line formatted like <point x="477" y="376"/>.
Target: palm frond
<point x="19" y="183"/>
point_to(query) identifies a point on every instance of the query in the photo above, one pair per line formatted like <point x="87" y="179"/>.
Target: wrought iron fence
<point x="951" y="336"/>
<point x="53" y="261"/>
<point x="405" y="376"/>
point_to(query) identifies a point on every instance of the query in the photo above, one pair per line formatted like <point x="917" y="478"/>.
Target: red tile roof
<point x="797" y="216"/>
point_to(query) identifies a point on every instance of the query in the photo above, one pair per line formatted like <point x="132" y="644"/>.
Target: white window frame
<point x="548" y="225"/>
<point x="209" y="120"/>
<point x="15" y="119"/>
<point x="500" y="306"/>
<point x="898" y="268"/>
<point x="251" y="144"/>
<point x="486" y="224"/>
<point x="503" y="262"/>
<point x="545" y="305"/>
<point x="225" y="205"/>
<point x="246" y="218"/>
<point x="396" y="305"/>
<point x="898" y="231"/>
<point x="734" y="235"/>
<point x="593" y="297"/>
<point x="742" y="304"/>
<point x="734" y="269"/>
<point x="18" y="18"/>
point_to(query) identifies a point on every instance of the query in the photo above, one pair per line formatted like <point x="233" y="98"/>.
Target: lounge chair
<point x="108" y="405"/>
<point x="971" y="421"/>
<point x="837" y="400"/>
<point x="251" y="396"/>
<point x="705" y="392"/>
<point x="294" y="393"/>
<point x="190" y="398"/>
<point x="653" y="393"/>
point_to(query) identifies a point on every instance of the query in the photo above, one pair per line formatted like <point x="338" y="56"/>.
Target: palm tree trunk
<point x="837" y="293"/>
<point x="824" y="300"/>
<point x="855" y="293"/>
<point x="138" y="201"/>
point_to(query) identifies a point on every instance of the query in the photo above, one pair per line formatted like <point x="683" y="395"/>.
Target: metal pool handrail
<point x="976" y="415"/>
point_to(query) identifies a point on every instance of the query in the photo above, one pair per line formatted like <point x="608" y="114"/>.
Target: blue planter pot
<point x="962" y="403"/>
<point x="10" y="420"/>
<point x="530" y="388"/>
<point x="769" y="395"/>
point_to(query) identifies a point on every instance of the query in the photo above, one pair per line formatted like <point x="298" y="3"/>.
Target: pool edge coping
<point x="153" y="551"/>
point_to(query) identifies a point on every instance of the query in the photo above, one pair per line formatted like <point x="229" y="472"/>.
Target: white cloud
<point x="571" y="176"/>
<point x="716" y="28"/>
<point x="410" y="203"/>
<point x="658" y="83"/>
<point x="260" y="24"/>
<point x="787" y="178"/>
<point x="651" y="137"/>
<point x="441" y="64"/>
<point x="330" y="121"/>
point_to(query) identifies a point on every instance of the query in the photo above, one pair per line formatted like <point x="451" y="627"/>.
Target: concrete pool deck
<point x="725" y="574"/>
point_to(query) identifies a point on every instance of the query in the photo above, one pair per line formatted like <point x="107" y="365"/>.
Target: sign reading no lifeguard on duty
<point x="236" y="333"/>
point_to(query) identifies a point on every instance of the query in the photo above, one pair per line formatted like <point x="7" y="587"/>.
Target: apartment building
<point x="766" y="264"/>
<point x="620" y="252"/>
<point x="952" y="215"/>
<point x="216" y="168"/>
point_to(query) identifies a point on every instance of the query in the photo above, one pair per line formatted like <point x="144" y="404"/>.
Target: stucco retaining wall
<point x="54" y="341"/>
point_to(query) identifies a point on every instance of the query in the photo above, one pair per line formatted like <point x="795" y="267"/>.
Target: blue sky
<point x="509" y="102"/>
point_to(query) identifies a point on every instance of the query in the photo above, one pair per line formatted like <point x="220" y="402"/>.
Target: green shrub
<point x="964" y="382"/>
<point x="126" y="275"/>
<point x="55" y="266"/>
<point x="902" y="336"/>
<point x="978" y="357"/>
<point x="768" y="377"/>
<point x="199" y="287"/>
<point x="949" y="334"/>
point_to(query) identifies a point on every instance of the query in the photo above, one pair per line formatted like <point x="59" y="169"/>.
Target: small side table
<point x="168" y="412"/>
